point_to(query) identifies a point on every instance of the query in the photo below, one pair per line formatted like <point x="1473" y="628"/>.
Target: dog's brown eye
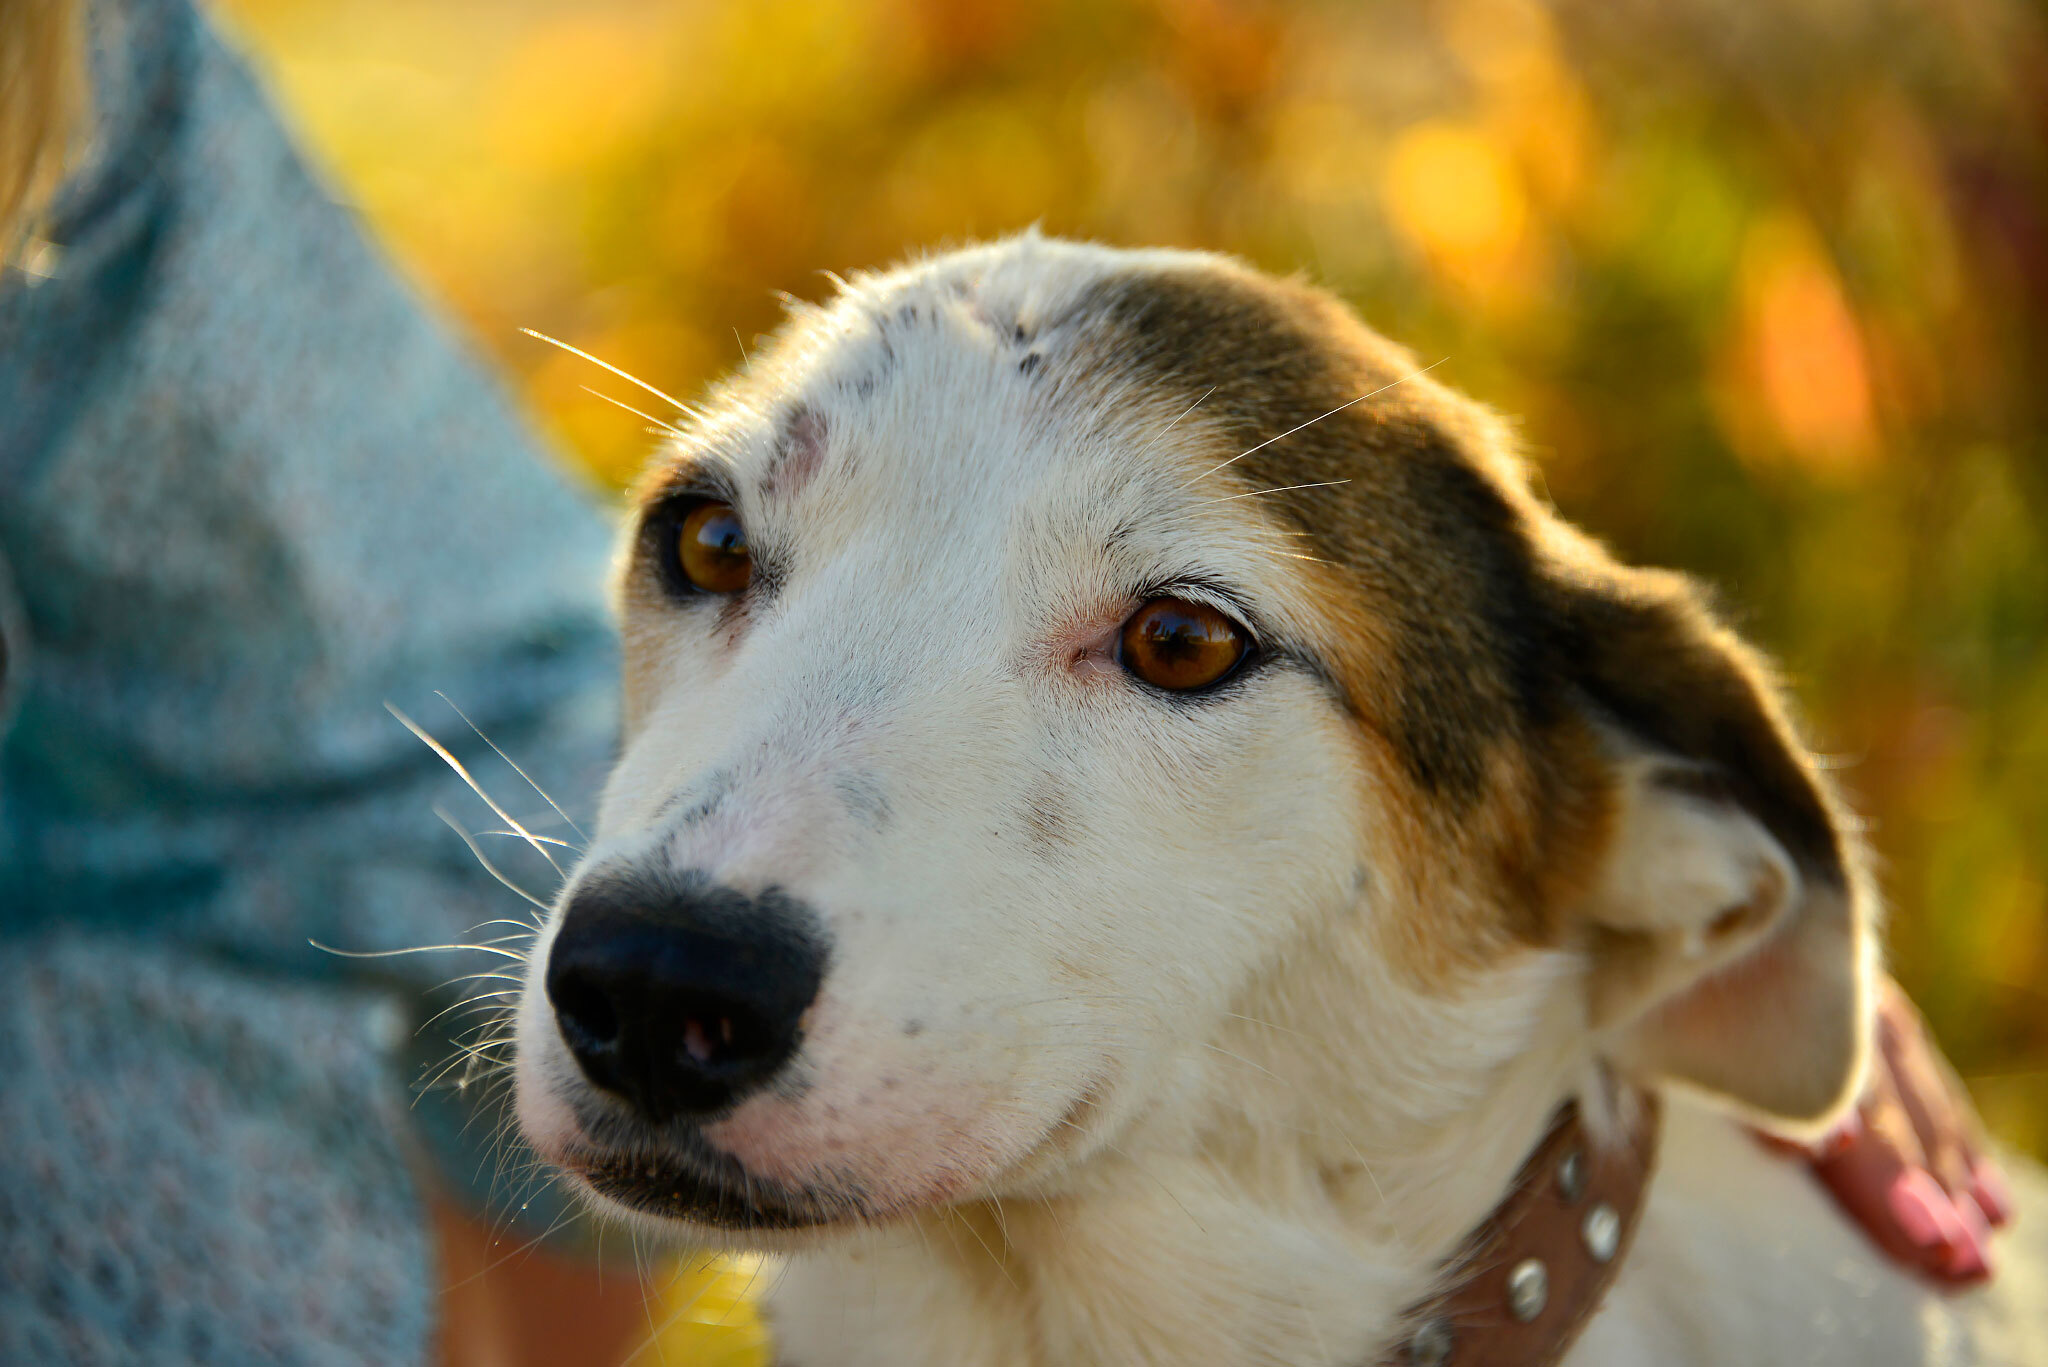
<point x="711" y="549"/>
<point x="1174" y="644"/>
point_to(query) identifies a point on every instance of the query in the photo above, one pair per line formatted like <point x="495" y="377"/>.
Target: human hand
<point x="1909" y="1163"/>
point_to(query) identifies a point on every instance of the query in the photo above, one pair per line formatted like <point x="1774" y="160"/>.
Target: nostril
<point x="725" y="1038"/>
<point x="697" y="1038"/>
<point x="585" y="1013"/>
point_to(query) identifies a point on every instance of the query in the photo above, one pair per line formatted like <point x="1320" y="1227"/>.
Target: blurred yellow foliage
<point x="1453" y="192"/>
<point x="1768" y="285"/>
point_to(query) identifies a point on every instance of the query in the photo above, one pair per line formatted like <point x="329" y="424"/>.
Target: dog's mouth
<point x="688" y="1180"/>
<point x="680" y="1174"/>
<point x="830" y="1146"/>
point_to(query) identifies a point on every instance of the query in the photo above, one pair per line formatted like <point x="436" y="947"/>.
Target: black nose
<point x="679" y="995"/>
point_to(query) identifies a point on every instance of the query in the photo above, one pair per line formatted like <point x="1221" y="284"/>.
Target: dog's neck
<point x="1301" y="1222"/>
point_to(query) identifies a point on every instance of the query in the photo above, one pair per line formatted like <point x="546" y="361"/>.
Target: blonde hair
<point x="42" y="108"/>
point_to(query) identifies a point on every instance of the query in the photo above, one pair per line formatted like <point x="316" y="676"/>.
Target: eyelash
<point x="1224" y="600"/>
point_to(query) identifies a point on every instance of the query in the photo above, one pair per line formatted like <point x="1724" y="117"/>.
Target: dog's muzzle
<point x="680" y="997"/>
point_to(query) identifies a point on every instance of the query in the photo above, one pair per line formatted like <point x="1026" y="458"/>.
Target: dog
<point x="1139" y="839"/>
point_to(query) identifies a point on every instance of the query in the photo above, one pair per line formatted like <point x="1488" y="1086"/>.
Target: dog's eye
<point x="1180" y="646"/>
<point x="711" y="549"/>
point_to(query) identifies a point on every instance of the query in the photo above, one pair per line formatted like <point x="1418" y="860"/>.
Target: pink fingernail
<point x="1969" y="1258"/>
<point x="1923" y="1210"/>
<point x="1993" y="1196"/>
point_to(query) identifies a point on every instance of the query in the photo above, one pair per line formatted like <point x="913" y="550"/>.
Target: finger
<point x="1975" y="1171"/>
<point x="1909" y="1225"/>
<point x="1885" y="1121"/>
<point x="1950" y="1240"/>
<point x="1989" y="1190"/>
<point x="1932" y="1098"/>
<point x="1906" y="1212"/>
<point x="1970" y="1258"/>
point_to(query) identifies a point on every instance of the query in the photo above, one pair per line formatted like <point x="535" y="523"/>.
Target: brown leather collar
<point x="1529" y="1278"/>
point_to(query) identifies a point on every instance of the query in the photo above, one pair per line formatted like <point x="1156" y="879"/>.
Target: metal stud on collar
<point x="1528" y="1289"/>
<point x="1571" y="1175"/>
<point x="1430" y="1344"/>
<point x="1601" y="1231"/>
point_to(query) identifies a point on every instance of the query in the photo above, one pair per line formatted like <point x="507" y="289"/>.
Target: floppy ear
<point x="1728" y="924"/>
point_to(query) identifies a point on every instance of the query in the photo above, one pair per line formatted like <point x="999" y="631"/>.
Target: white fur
<point x="1147" y="1088"/>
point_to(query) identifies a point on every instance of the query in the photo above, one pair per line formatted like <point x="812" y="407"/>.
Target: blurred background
<point x="1766" y="285"/>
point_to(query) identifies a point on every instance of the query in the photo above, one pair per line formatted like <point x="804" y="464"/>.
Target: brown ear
<point x="1730" y="922"/>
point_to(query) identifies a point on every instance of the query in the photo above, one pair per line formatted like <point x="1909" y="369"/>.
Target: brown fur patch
<point x="1424" y="535"/>
<point x="1479" y="641"/>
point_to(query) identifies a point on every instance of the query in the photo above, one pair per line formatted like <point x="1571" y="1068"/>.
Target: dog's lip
<point x="690" y="1181"/>
<point x="680" y="1174"/>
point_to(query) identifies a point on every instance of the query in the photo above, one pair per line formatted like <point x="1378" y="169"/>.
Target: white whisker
<point x="1316" y="419"/>
<point x="543" y="839"/>
<point x="629" y="379"/>
<point x="1285" y="488"/>
<point x="512" y="921"/>
<point x="489" y="867"/>
<point x="448" y="757"/>
<point x="659" y="425"/>
<point x="1176" y="422"/>
<point x="470" y="1002"/>
<point x="515" y="766"/>
<point x="416" y="949"/>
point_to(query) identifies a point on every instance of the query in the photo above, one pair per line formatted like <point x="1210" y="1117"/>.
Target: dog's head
<point x="1040" y="652"/>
